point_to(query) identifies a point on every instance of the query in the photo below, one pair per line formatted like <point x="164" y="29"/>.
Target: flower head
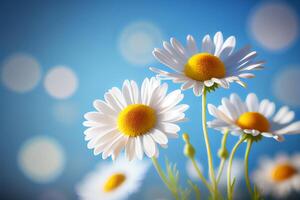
<point x="278" y="177"/>
<point x="215" y="64"/>
<point x="253" y="117"/>
<point x="113" y="181"/>
<point x="134" y="119"/>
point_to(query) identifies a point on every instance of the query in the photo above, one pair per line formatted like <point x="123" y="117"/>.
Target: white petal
<point x="284" y="115"/>
<point x="266" y="108"/>
<point x="171" y="100"/>
<point x="207" y="45"/>
<point x="159" y="136"/>
<point x="139" y="148"/>
<point x="219" y="114"/>
<point x="230" y="109"/>
<point x="99" y="118"/>
<point x="130" y="148"/>
<point x="237" y="102"/>
<point x="218" y="41"/>
<point x="168" y="127"/>
<point x="252" y="102"/>
<point x="208" y="83"/>
<point x="227" y="47"/>
<point x="103" y="107"/>
<point x="179" y="49"/>
<point x="293" y="128"/>
<point x="191" y="45"/>
<point x="187" y="85"/>
<point x="149" y="145"/>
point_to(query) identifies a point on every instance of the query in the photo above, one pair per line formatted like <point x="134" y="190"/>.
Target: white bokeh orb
<point x="20" y="73"/>
<point x="274" y="25"/>
<point x="61" y="82"/>
<point x="286" y="86"/>
<point x="137" y="42"/>
<point x="191" y="171"/>
<point x="41" y="159"/>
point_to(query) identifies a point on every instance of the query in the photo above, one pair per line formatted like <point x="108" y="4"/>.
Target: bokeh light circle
<point x="41" y="159"/>
<point x="61" y="82"/>
<point x="20" y="73"/>
<point x="137" y="42"/>
<point x="286" y="86"/>
<point x="274" y="25"/>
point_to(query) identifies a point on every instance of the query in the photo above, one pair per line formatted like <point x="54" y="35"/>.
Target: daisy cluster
<point x="139" y="120"/>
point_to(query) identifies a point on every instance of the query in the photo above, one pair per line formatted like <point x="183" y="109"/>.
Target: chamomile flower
<point x="253" y="117"/>
<point x="134" y="119"/>
<point x="278" y="177"/>
<point x="113" y="181"/>
<point x="215" y="63"/>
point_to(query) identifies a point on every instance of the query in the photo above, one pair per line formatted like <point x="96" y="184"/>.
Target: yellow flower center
<point x="113" y="182"/>
<point x="204" y="66"/>
<point x="136" y="120"/>
<point x="283" y="172"/>
<point x="253" y="120"/>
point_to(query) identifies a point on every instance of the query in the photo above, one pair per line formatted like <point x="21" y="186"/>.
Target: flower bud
<point x="189" y="151"/>
<point x="223" y="153"/>
<point x="186" y="137"/>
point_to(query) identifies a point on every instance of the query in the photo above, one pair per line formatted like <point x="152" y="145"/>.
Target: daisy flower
<point x="113" y="181"/>
<point x="253" y="117"/>
<point x="216" y="63"/>
<point x="134" y="119"/>
<point x="278" y="177"/>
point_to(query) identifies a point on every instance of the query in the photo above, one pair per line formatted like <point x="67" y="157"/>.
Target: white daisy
<point x="214" y="64"/>
<point x="113" y="181"/>
<point x="278" y="177"/>
<point x="134" y="120"/>
<point x="253" y="117"/>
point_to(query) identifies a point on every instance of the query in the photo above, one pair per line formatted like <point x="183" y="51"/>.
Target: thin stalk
<point x="207" y="144"/>
<point x="229" y="184"/>
<point x="220" y="171"/>
<point x="223" y="159"/>
<point x="202" y="178"/>
<point x="247" y="152"/>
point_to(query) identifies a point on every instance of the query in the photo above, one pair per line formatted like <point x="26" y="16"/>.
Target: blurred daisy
<point x="253" y="117"/>
<point x="214" y="64"/>
<point x="134" y="120"/>
<point x="113" y="181"/>
<point x="278" y="177"/>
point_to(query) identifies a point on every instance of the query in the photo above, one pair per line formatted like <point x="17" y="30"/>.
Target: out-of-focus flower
<point x="215" y="64"/>
<point x="134" y="120"/>
<point x="278" y="177"/>
<point x="253" y="117"/>
<point x="113" y="181"/>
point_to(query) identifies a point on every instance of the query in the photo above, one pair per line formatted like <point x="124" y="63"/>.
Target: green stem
<point x="201" y="175"/>
<point x="164" y="178"/>
<point x="229" y="184"/>
<point x="223" y="159"/>
<point x="208" y="149"/>
<point x="247" y="152"/>
<point x="220" y="171"/>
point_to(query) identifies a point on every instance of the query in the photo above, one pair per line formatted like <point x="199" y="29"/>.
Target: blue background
<point x="84" y="36"/>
